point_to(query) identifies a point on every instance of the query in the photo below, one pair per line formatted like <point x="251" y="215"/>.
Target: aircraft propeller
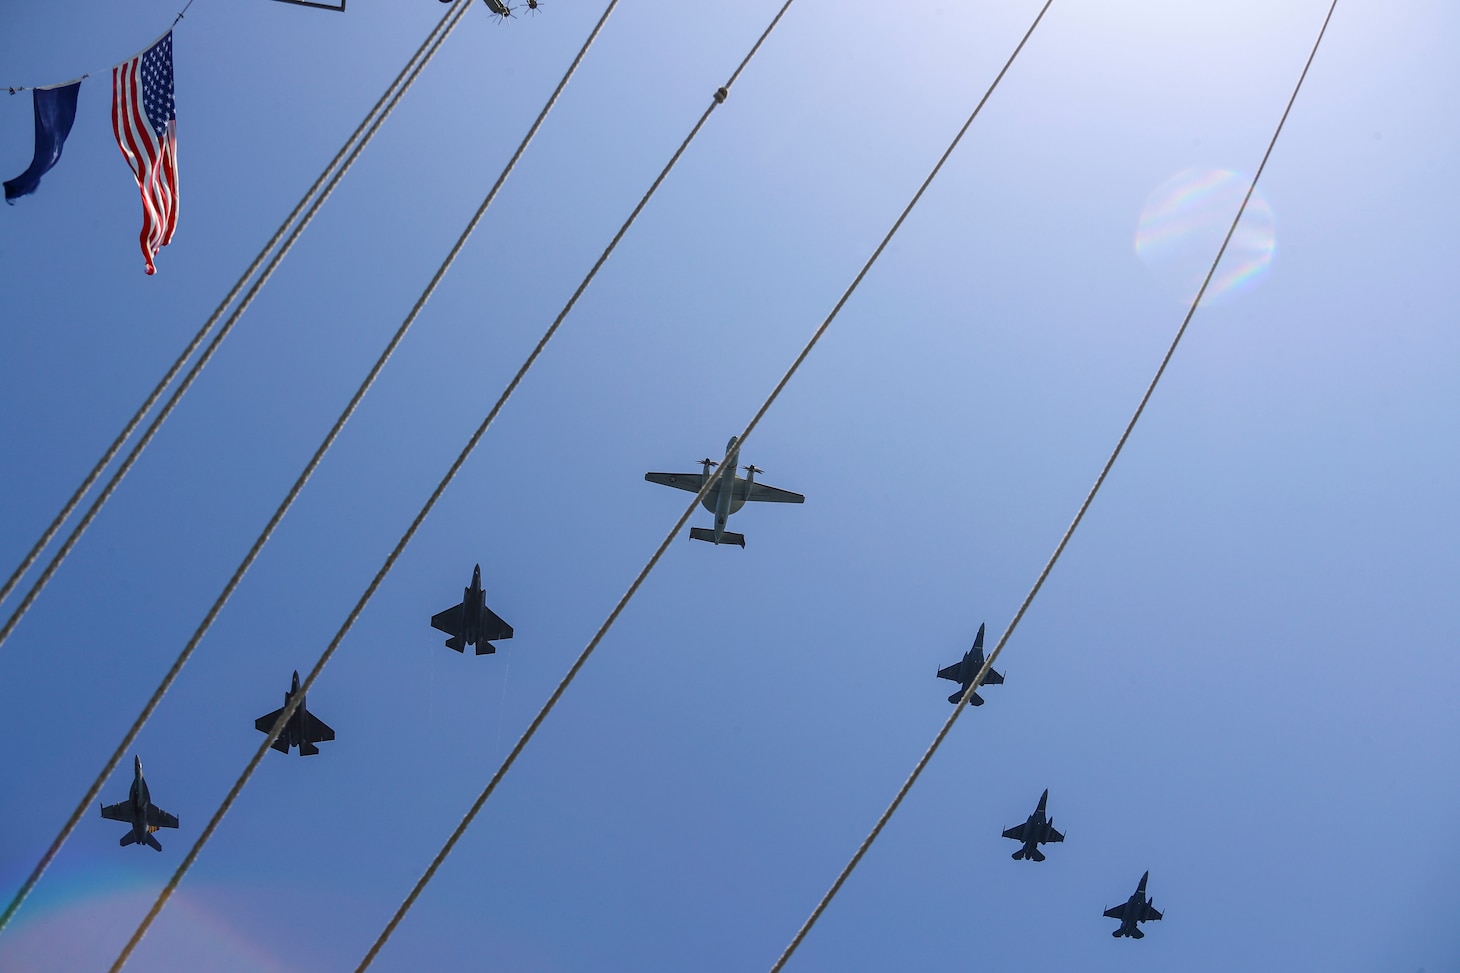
<point x="709" y="462"/>
<point x="499" y="9"/>
<point x="533" y="6"/>
<point x="753" y="469"/>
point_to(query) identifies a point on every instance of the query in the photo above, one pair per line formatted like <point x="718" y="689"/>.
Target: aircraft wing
<point x="266" y="723"/>
<point x="680" y="481"/>
<point x="1151" y="913"/>
<point x="770" y="494"/>
<point x="492" y="626"/>
<point x="158" y="818"/>
<point x="992" y="678"/>
<point x="951" y="672"/>
<point x="1016" y="832"/>
<point x="316" y="730"/>
<point x="1115" y="912"/>
<point x="450" y="620"/>
<point x="117" y="812"/>
<point x="1054" y="836"/>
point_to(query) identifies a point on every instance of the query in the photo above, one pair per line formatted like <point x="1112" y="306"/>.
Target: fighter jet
<point x="1136" y="909"/>
<point x="139" y="811"/>
<point x="303" y="730"/>
<point x="1036" y="831"/>
<point x="964" y="671"/>
<point x="727" y="495"/>
<point x="472" y="622"/>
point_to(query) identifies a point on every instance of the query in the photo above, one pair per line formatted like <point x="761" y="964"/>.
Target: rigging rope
<point x="17" y="88"/>
<point x="335" y="171"/>
<point x="1064" y="540"/>
<point x="388" y="100"/>
<point x="628" y="595"/>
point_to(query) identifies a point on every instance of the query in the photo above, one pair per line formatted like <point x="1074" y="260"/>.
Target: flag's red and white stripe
<point x="151" y="154"/>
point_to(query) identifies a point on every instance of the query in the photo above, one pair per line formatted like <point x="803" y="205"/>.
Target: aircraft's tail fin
<point x="151" y="839"/>
<point x="975" y="700"/>
<point x="128" y="839"/>
<point x="307" y="749"/>
<point x="1117" y="932"/>
<point x="726" y="536"/>
<point x="1136" y="933"/>
<point x="1018" y="854"/>
<point x="487" y="648"/>
<point x="1035" y="855"/>
<point x="457" y="642"/>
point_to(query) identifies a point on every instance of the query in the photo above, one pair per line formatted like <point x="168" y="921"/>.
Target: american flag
<point x="145" y="124"/>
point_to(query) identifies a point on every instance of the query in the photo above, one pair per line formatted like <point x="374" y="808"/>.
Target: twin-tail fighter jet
<point x="139" y="811"/>
<point x="472" y="622"/>
<point x="964" y="671"/>
<point x="1034" y="832"/>
<point x="728" y="494"/>
<point x="303" y="730"/>
<point x="1136" y="909"/>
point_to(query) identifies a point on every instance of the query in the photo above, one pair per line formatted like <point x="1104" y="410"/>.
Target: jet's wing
<point x="681" y="481"/>
<point x="770" y="494"/>
<point x="1151" y="913"/>
<point x="266" y="723"/>
<point x="1054" y="836"/>
<point x="1016" y="832"/>
<point x="158" y="818"/>
<point x="1115" y="912"/>
<point x="493" y="627"/>
<point x="450" y="620"/>
<point x="951" y="672"/>
<point x="993" y="679"/>
<point x="316" y="730"/>
<point x="117" y="812"/>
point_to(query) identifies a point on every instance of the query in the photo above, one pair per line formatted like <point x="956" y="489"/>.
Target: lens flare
<point x="80" y="923"/>
<point x="1182" y="226"/>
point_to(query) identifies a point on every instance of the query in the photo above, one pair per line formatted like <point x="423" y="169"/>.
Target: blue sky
<point x="1239" y="677"/>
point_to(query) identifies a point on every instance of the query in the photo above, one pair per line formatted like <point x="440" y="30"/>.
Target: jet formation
<point x="472" y="623"/>
<point x="139" y="812"/>
<point x="729" y="493"/>
<point x="1038" y="828"/>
